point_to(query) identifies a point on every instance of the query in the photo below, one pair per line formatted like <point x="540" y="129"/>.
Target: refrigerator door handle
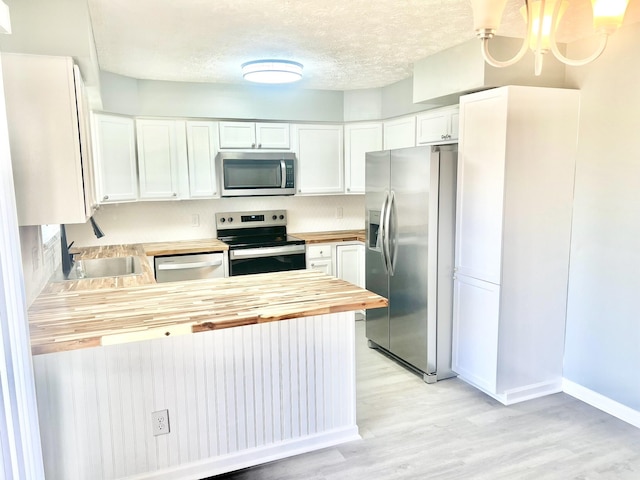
<point x="382" y="233"/>
<point x="391" y="228"/>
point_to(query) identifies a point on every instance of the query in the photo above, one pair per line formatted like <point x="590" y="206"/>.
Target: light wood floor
<point x="449" y="430"/>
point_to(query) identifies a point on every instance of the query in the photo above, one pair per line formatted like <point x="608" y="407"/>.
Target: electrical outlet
<point x="339" y="212"/>
<point x="195" y="220"/>
<point x="160" y="422"/>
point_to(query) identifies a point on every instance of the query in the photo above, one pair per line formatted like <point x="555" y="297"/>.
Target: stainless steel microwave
<point x="246" y="174"/>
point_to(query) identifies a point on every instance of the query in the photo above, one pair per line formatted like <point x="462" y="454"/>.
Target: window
<point x="48" y="233"/>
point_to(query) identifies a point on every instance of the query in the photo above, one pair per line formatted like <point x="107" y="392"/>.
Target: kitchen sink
<point x="103" y="267"/>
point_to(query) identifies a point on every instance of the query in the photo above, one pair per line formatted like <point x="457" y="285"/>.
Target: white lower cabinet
<point x="344" y="260"/>
<point x="350" y="263"/>
<point x="320" y="257"/>
<point x="475" y="321"/>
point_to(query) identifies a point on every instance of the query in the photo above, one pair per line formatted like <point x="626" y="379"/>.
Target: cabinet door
<point x="320" y="158"/>
<point x="322" y="264"/>
<point x="84" y="128"/>
<point x="438" y="126"/>
<point x="46" y="153"/>
<point x="237" y="134"/>
<point x="350" y="264"/>
<point x="454" y="125"/>
<point x="432" y="128"/>
<point x="273" y="135"/>
<point x="476" y="311"/>
<point x="358" y="140"/>
<point x="400" y="133"/>
<point x="115" y="158"/>
<point x="161" y="158"/>
<point x="201" y="151"/>
<point x="481" y="167"/>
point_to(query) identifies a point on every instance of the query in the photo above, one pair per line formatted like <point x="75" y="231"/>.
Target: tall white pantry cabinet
<point x="517" y="152"/>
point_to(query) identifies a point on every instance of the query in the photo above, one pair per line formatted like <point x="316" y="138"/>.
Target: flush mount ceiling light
<point x="541" y="35"/>
<point x="272" y="71"/>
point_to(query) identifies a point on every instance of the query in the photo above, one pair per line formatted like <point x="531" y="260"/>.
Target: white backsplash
<point x="38" y="261"/>
<point x="141" y="222"/>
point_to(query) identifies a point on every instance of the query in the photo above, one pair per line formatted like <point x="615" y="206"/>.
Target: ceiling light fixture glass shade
<point x="272" y="71"/>
<point x="543" y="18"/>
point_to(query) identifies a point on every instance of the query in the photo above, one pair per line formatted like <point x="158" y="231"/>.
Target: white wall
<point x="165" y="221"/>
<point x="602" y="351"/>
<point x="187" y="99"/>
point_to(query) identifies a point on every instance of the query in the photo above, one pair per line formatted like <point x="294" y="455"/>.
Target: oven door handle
<point x="188" y="266"/>
<point x="265" y="251"/>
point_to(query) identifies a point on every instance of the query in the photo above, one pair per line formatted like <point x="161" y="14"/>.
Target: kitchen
<point x="602" y="284"/>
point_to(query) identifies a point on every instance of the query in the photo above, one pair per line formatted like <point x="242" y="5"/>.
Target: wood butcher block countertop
<point x="336" y="236"/>
<point x="184" y="246"/>
<point x="79" y="319"/>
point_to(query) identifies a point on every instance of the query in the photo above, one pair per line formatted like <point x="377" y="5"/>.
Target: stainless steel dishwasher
<point x="176" y="268"/>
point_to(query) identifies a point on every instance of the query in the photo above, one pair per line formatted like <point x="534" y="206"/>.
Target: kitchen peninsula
<point x="281" y="382"/>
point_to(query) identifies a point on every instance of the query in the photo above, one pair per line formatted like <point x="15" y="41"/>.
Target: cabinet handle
<point x="259" y="145"/>
<point x="253" y="145"/>
<point x="175" y="194"/>
<point x="106" y="197"/>
<point x="348" y="189"/>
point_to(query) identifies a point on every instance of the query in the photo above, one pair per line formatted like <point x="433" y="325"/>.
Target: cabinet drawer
<point x="319" y="251"/>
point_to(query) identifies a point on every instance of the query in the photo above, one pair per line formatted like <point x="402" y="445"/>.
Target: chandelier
<point x="543" y="18"/>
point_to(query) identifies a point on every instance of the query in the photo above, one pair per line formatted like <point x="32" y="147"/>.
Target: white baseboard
<point x="599" y="401"/>
<point x="252" y="457"/>
<point x="516" y="395"/>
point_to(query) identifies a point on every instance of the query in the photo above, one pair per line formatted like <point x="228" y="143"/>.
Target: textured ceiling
<point x="343" y="44"/>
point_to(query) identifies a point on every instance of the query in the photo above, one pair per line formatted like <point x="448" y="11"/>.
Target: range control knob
<point x="230" y="219"/>
<point x="222" y="220"/>
<point x="281" y="217"/>
<point x="274" y="217"/>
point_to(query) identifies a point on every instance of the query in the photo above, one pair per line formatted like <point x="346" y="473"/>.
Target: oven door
<point x="245" y="261"/>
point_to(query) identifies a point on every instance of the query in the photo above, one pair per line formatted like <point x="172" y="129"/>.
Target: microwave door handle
<point x="283" y="174"/>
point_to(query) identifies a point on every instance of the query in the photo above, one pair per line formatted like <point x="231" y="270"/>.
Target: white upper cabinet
<point x="114" y="146"/>
<point x="246" y="135"/>
<point x="319" y="150"/>
<point x="438" y="126"/>
<point x="47" y="120"/>
<point x="162" y="159"/>
<point x="359" y="138"/>
<point x="400" y="133"/>
<point x="202" y="149"/>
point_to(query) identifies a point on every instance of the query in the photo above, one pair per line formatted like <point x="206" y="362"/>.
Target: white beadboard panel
<point x="238" y="396"/>
<point x="140" y="222"/>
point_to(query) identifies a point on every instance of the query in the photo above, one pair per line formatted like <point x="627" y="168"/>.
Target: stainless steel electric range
<point x="258" y="242"/>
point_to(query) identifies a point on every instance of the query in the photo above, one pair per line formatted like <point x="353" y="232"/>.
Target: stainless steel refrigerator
<point x="410" y="212"/>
